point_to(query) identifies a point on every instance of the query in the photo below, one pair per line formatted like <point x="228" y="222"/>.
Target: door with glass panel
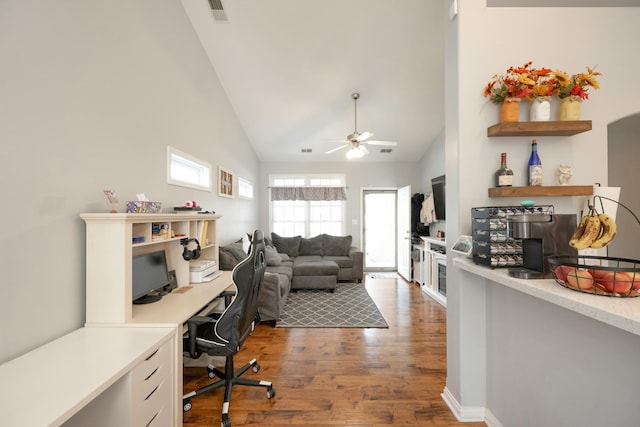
<point x="379" y="229"/>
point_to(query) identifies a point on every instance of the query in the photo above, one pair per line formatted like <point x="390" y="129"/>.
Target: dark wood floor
<point x="344" y="377"/>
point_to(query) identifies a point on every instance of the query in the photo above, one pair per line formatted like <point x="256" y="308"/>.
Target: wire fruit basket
<point x="614" y="277"/>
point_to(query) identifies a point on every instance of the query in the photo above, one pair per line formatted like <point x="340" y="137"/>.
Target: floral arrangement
<point x="576" y="85"/>
<point x="544" y="83"/>
<point x="516" y="83"/>
<point x="531" y="83"/>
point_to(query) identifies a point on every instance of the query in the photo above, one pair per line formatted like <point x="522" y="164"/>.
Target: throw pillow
<point x="271" y="255"/>
<point x="235" y="249"/>
<point x="227" y="261"/>
<point x="337" y="245"/>
<point x="311" y="246"/>
<point x="286" y="245"/>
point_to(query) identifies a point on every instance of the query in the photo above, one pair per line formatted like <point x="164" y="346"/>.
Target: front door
<point x="379" y="229"/>
<point x="403" y="233"/>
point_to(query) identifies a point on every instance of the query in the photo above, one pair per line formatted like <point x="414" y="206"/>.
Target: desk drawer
<point x="151" y="388"/>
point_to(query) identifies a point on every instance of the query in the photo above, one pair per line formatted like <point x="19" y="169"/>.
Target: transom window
<point x="187" y="171"/>
<point x="307" y="218"/>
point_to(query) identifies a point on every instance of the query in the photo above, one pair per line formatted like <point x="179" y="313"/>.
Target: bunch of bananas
<point x="594" y="231"/>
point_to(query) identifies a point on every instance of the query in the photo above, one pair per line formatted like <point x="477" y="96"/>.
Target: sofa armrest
<point x="358" y="263"/>
<point x="269" y="299"/>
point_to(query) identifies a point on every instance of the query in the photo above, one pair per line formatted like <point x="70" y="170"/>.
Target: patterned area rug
<point x="349" y="306"/>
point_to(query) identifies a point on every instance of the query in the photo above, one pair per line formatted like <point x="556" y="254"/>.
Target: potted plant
<point x="572" y="90"/>
<point x="508" y="89"/>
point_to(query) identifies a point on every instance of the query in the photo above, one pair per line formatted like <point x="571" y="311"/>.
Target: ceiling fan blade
<point x="336" y="149"/>
<point x="364" y="136"/>
<point x="341" y="141"/>
<point x="387" y="143"/>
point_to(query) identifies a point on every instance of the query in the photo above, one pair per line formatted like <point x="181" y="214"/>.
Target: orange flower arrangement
<point x="576" y="85"/>
<point x="544" y="83"/>
<point x="515" y="83"/>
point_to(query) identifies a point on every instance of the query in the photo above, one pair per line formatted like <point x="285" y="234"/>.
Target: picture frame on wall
<point x="225" y="183"/>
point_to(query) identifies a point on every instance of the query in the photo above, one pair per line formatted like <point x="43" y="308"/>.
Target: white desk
<point x="89" y="366"/>
<point x="178" y="307"/>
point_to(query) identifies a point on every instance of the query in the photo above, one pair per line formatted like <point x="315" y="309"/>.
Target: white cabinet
<point x="417" y="258"/>
<point x="95" y="376"/>
<point x="111" y="246"/>
<point x="434" y="268"/>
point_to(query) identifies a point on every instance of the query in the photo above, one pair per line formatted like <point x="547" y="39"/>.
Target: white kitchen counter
<point x="622" y="313"/>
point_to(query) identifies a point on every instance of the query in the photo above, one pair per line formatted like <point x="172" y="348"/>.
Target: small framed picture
<point x="225" y="183"/>
<point x="463" y="246"/>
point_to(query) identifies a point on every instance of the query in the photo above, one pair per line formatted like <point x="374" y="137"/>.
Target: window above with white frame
<point x="186" y="170"/>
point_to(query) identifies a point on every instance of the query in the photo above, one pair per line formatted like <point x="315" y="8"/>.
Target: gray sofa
<point x="299" y="263"/>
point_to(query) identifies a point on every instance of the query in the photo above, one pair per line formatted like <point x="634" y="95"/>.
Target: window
<point x="307" y="218"/>
<point x="245" y="189"/>
<point x="187" y="171"/>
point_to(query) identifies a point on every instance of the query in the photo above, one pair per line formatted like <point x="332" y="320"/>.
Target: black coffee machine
<point x="542" y="236"/>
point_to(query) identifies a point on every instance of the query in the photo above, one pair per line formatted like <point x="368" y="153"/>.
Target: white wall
<point x="431" y="166"/>
<point x="91" y="94"/>
<point x="359" y="175"/>
<point x="487" y="40"/>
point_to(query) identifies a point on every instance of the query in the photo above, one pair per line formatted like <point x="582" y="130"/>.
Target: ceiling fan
<point x="356" y="141"/>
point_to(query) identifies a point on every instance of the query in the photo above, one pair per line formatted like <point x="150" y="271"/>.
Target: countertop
<point x="622" y="313"/>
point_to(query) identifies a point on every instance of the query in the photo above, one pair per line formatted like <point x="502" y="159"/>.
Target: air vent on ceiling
<point x="385" y="150"/>
<point x="306" y="150"/>
<point x="218" y="10"/>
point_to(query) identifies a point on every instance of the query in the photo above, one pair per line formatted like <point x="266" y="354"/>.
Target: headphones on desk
<point x="189" y="254"/>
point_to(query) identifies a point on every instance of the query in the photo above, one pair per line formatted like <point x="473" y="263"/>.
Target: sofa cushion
<point x="311" y="246"/>
<point x="306" y="266"/>
<point x="336" y="245"/>
<point x="287" y="245"/>
<point x="342" y="261"/>
<point x="227" y="261"/>
<point x="272" y="256"/>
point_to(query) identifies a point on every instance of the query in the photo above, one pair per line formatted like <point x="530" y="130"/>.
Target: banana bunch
<point x="594" y="231"/>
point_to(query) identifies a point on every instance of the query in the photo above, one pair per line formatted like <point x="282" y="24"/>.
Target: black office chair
<point x="223" y="334"/>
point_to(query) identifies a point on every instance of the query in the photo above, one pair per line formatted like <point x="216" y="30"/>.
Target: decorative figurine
<point x="563" y="174"/>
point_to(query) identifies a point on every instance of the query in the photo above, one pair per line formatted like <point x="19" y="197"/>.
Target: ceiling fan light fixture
<point x="355" y="153"/>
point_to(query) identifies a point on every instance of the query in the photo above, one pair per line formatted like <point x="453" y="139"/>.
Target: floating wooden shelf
<point x="542" y="191"/>
<point x="556" y="128"/>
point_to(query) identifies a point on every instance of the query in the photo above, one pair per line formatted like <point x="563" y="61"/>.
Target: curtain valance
<point x="308" y="193"/>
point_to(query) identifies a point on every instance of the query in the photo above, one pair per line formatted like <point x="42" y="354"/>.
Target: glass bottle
<point x="535" y="165"/>
<point x="504" y="175"/>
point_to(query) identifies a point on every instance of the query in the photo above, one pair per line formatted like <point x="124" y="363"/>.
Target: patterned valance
<point x="308" y="193"/>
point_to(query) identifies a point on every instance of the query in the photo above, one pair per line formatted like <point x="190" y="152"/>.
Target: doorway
<point x="379" y="229"/>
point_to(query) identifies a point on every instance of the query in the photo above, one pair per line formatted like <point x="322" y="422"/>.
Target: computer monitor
<point x="150" y="276"/>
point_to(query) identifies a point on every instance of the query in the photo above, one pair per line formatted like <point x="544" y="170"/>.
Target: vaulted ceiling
<point x="289" y="68"/>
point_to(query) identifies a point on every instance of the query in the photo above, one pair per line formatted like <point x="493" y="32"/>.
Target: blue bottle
<point x="535" y="165"/>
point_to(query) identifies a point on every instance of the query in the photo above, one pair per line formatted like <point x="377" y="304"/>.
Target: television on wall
<point x="438" y="186"/>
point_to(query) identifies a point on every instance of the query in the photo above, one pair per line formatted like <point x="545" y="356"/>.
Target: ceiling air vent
<point x="385" y="150"/>
<point x="306" y="150"/>
<point x="218" y="10"/>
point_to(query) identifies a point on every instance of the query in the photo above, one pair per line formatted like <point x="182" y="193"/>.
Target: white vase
<point x="540" y="109"/>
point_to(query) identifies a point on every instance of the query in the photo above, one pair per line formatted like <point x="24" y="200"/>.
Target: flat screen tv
<point x="150" y="277"/>
<point x="439" y="196"/>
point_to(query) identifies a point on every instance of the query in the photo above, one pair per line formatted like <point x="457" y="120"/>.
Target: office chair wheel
<point x="210" y="373"/>
<point x="255" y="368"/>
<point x="270" y="392"/>
<point x="186" y="405"/>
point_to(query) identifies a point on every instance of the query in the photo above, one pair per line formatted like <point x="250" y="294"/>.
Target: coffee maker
<point x="542" y="236"/>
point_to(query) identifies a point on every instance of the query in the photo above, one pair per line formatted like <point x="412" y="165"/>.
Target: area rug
<point x="384" y="275"/>
<point x="349" y="306"/>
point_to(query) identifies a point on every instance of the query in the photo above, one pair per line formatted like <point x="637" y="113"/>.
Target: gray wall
<point x="431" y="166"/>
<point x="91" y="95"/>
<point x="623" y="153"/>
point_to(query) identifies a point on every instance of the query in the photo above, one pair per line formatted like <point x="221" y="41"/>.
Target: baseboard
<point x="463" y="413"/>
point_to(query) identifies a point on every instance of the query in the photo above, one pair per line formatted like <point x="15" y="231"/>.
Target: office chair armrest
<point x="192" y="333"/>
